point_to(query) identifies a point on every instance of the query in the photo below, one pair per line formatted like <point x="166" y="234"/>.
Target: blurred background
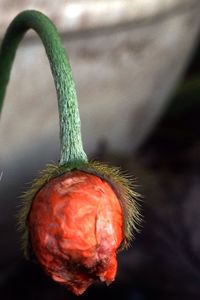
<point x="136" y="65"/>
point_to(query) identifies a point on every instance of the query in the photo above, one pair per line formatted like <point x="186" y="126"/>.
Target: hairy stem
<point x="70" y="133"/>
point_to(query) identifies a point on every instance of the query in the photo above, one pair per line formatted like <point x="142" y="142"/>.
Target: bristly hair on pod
<point x="51" y="171"/>
<point x="122" y="185"/>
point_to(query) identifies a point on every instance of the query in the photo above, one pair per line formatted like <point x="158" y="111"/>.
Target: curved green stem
<point x="70" y="134"/>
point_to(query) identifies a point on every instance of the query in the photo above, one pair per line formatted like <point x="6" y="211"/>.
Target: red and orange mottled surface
<point x="75" y="227"/>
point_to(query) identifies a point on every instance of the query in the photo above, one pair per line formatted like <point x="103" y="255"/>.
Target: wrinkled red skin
<point x="75" y="227"/>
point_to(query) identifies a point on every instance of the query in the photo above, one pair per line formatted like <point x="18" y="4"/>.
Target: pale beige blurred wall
<point x="126" y="58"/>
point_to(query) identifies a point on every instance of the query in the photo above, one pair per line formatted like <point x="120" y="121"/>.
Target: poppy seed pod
<point x="74" y="223"/>
<point x="75" y="226"/>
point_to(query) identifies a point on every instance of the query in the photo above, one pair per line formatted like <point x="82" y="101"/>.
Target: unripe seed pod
<point x="75" y="222"/>
<point x="76" y="226"/>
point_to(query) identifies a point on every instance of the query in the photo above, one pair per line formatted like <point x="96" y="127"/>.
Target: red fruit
<point x="75" y="227"/>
